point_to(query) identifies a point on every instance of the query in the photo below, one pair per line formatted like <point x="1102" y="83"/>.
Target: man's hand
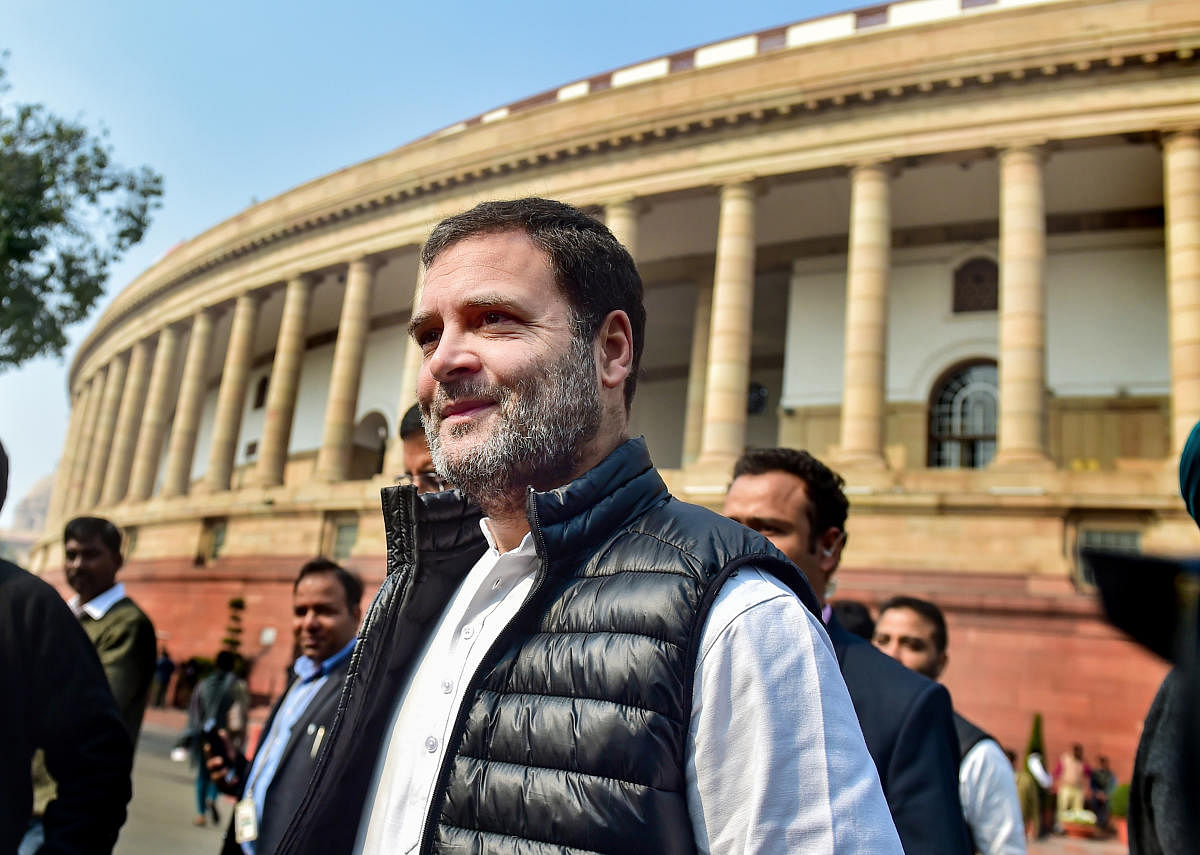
<point x="227" y="778"/>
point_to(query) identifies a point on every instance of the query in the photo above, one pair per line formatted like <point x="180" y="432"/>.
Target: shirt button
<point x="430" y="744"/>
<point x="468" y="632"/>
<point x="447" y="686"/>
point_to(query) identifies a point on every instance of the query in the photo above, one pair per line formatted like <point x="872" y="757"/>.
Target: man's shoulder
<point x="127" y="611"/>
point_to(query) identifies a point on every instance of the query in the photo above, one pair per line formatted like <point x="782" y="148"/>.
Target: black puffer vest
<point x="572" y="737"/>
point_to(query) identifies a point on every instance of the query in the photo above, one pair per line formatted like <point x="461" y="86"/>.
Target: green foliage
<point x="1036" y="745"/>
<point x="233" y="630"/>
<point x="1118" y="803"/>
<point x="67" y="212"/>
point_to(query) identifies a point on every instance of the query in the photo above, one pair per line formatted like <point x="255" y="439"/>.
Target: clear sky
<point x="235" y="102"/>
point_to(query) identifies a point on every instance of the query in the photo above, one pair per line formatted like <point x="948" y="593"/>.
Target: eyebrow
<point x="494" y="300"/>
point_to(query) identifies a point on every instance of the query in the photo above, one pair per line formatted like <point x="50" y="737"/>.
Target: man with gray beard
<point x="563" y="657"/>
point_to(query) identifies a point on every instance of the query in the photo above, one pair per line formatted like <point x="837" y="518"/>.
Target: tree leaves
<point x="67" y="212"/>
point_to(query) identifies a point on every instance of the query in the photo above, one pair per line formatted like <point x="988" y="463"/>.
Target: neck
<point x="85" y="598"/>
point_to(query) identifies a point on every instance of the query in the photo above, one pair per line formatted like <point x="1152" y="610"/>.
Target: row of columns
<point x="121" y="415"/>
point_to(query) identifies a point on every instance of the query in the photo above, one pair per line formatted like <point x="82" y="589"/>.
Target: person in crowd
<point x="913" y="631"/>
<point x="325" y="618"/>
<point x="1101" y="785"/>
<point x="594" y="665"/>
<point x="855" y="618"/>
<point x="418" y="464"/>
<point x="56" y="700"/>
<point x="1162" y="793"/>
<point x="120" y="632"/>
<point x="797" y="503"/>
<point x="164" y="667"/>
<point x="220" y="703"/>
<point x="1071" y="776"/>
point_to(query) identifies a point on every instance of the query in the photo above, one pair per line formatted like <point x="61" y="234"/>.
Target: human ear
<point x="614" y="349"/>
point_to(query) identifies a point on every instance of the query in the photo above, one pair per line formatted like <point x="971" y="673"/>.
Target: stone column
<point x="284" y="383"/>
<point x="231" y="397"/>
<point x="116" y="479"/>
<point x="182" y="449"/>
<point x="864" y="367"/>
<point x="79" y="453"/>
<point x="621" y="217"/>
<point x="1021" y="432"/>
<point x="333" y="459"/>
<point x="66" y="460"/>
<point x="693" y="419"/>
<point x="728" y="377"/>
<point x="1181" y="180"/>
<point x="393" y="460"/>
<point x="105" y="426"/>
<point x="156" y="416"/>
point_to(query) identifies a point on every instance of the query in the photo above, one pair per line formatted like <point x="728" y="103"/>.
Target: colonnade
<point x="121" y="412"/>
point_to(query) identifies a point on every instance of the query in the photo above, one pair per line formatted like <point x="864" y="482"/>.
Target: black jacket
<point x="54" y="696"/>
<point x="908" y="724"/>
<point x="295" y="769"/>
<point x="572" y="734"/>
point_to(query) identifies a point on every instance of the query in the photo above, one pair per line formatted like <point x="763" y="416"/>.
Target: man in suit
<point x="326" y="611"/>
<point x="797" y="503"/>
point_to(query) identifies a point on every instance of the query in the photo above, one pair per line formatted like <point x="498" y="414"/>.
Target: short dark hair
<point x="927" y="610"/>
<point x="225" y="661"/>
<point x="350" y="581"/>
<point x="595" y="273"/>
<point x="855" y="617"/>
<point x="411" y="425"/>
<point x="94" y="528"/>
<point x="828" y="504"/>
<point x="3" y="475"/>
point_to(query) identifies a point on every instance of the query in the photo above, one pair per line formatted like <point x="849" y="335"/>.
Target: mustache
<point x="468" y="387"/>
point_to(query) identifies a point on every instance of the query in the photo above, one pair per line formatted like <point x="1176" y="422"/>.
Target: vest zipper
<point x="485" y="664"/>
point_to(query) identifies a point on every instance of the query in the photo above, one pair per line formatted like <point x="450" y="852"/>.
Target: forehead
<point x="319" y="587"/>
<point x="771" y="494"/>
<point x="508" y="264"/>
<point x="904" y="621"/>
<point x="87" y="544"/>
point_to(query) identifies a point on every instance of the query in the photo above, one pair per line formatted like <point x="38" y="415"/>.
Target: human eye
<point x="881" y="638"/>
<point x="493" y="317"/>
<point x="427" y="338"/>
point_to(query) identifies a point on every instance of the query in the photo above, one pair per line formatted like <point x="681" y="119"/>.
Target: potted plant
<point x="1118" y="809"/>
<point x="1078" y="823"/>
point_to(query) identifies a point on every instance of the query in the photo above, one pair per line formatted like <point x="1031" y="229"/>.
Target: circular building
<point x="950" y="246"/>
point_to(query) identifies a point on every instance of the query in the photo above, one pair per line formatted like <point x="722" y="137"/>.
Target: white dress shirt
<point x="988" y="790"/>
<point x="776" y="761"/>
<point x="98" y="606"/>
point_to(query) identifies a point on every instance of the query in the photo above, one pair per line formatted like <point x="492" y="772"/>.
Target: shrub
<point x="1118" y="804"/>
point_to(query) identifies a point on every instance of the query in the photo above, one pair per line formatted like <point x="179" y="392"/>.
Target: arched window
<point x="976" y="286"/>
<point x="962" y="417"/>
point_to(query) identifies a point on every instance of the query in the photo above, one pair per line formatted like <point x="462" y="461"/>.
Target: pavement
<point x="160" y="815"/>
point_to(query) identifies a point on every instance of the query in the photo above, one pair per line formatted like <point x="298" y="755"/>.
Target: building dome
<point x="949" y="246"/>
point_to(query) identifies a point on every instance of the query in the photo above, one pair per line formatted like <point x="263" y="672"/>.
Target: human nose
<point x="453" y="356"/>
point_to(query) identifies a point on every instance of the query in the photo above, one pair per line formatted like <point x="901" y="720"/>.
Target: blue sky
<point x="238" y="102"/>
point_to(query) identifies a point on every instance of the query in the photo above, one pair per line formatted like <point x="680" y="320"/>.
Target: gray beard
<point x="545" y="420"/>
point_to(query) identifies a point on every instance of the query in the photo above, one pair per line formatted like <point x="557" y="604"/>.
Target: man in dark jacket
<point x="597" y="666"/>
<point x="797" y="503"/>
<point x="326" y="613"/>
<point x="55" y="698"/>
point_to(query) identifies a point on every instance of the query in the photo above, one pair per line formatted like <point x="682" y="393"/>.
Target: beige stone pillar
<point x="1021" y="433"/>
<point x="156" y="416"/>
<point x="66" y="460"/>
<point x="621" y="217"/>
<point x="106" y="424"/>
<point x="864" y="367"/>
<point x="393" y="460"/>
<point x="79" y="454"/>
<point x="693" y="418"/>
<point x="723" y="436"/>
<point x="182" y="450"/>
<point x="284" y="383"/>
<point x="333" y="459"/>
<point x="1181" y="180"/>
<point x="129" y="418"/>
<point x="231" y="397"/>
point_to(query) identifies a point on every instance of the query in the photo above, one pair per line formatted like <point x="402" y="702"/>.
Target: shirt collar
<point x="97" y="607"/>
<point x="525" y="547"/>
<point x="826" y="613"/>
<point x="309" y="669"/>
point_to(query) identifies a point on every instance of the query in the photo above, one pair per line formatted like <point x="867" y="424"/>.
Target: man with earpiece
<point x="797" y="503"/>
